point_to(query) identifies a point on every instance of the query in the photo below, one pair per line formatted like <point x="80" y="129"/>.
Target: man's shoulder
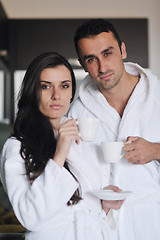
<point x="77" y="108"/>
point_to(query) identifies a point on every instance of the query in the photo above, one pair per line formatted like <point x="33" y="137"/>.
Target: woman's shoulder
<point x="12" y="141"/>
<point x="11" y="144"/>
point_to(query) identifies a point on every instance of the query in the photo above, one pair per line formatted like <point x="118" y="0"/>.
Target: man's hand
<point x="114" y="204"/>
<point x="140" y="151"/>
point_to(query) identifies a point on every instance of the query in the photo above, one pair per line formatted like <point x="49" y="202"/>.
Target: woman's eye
<point x="65" y="86"/>
<point x="44" y="86"/>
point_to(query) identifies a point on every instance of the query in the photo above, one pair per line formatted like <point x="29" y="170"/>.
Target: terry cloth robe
<point x="42" y="207"/>
<point x="139" y="217"/>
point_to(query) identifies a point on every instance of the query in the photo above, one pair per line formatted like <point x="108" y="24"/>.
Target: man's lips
<point x="105" y="76"/>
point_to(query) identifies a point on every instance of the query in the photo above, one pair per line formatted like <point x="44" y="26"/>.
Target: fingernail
<point x="128" y="142"/>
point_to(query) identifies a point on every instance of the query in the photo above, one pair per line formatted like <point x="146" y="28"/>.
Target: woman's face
<point x="56" y="93"/>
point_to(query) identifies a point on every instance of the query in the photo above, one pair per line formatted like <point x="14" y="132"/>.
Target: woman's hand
<point x="113" y="204"/>
<point x="67" y="133"/>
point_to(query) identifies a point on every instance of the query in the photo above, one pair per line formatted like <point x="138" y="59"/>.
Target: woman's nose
<point x="55" y="94"/>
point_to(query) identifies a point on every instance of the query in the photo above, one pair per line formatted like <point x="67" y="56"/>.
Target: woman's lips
<point x="56" y="106"/>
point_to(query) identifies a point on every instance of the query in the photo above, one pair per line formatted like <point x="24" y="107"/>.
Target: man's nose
<point x="102" y="67"/>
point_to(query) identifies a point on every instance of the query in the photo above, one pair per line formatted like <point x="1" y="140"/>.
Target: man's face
<point x="101" y="57"/>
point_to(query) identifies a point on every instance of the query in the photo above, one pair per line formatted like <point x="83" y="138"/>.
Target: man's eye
<point x="107" y="53"/>
<point x="90" y="60"/>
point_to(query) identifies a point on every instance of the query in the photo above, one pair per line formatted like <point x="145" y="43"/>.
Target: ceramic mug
<point x="87" y="128"/>
<point x="112" y="151"/>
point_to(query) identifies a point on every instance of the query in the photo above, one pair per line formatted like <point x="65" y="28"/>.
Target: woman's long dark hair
<point x="32" y="128"/>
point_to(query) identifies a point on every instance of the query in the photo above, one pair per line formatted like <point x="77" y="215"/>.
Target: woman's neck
<point x="55" y="123"/>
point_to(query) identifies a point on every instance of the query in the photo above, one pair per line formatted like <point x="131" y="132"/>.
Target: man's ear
<point x="123" y="50"/>
<point x="82" y="64"/>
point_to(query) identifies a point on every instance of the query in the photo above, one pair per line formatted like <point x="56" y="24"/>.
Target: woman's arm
<point x="34" y="203"/>
<point x="114" y="204"/>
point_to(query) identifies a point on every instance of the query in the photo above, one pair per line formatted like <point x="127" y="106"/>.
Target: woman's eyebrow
<point x="46" y="81"/>
<point x="64" y="81"/>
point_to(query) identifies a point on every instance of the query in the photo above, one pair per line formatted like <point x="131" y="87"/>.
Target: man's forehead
<point x="98" y="43"/>
<point x="102" y="34"/>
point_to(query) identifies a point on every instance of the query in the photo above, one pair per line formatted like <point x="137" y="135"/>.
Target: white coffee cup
<point x="112" y="151"/>
<point x="87" y="128"/>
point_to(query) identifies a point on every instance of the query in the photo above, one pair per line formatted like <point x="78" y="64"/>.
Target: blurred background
<point x="30" y="27"/>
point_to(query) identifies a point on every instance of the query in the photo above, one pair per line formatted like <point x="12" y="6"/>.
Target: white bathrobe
<point x="139" y="217"/>
<point x="42" y="207"/>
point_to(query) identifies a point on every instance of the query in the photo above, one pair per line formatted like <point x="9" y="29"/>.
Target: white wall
<point x="95" y="8"/>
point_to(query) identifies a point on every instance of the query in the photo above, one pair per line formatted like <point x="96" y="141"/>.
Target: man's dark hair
<point x="92" y="28"/>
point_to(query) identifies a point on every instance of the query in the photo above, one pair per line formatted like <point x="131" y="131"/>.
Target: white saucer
<point x="111" y="195"/>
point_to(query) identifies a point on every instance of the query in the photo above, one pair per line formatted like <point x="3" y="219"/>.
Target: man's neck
<point x="119" y="96"/>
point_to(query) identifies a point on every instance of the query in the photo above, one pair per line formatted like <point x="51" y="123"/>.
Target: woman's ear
<point x="123" y="50"/>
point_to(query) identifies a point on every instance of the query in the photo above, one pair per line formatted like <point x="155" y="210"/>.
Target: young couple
<point x="48" y="173"/>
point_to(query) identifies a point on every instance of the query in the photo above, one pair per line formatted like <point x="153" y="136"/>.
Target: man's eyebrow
<point x="94" y="56"/>
<point x="107" y="50"/>
<point x="88" y="56"/>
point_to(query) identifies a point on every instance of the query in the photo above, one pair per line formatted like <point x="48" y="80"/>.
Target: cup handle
<point x="77" y="125"/>
<point x="122" y="155"/>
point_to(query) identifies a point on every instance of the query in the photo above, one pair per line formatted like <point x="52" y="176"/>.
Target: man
<point x="125" y="97"/>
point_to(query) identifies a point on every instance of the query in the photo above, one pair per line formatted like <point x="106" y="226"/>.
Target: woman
<point x="35" y="171"/>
